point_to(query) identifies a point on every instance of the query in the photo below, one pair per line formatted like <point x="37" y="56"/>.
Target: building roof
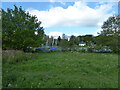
<point x="82" y="43"/>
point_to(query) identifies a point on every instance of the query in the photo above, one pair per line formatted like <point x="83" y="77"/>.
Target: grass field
<point x="63" y="70"/>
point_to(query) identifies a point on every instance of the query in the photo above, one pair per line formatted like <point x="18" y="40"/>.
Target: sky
<point x="70" y="18"/>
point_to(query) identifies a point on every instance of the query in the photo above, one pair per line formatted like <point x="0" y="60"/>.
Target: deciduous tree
<point x="109" y="36"/>
<point x="18" y="29"/>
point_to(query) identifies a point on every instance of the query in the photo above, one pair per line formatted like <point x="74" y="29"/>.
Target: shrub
<point x="83" y="50"/>
<point x="90" y="50"/>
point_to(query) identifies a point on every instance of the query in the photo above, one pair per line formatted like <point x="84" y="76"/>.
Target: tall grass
<point x="10" y="58"/>
<point x="13" y="56"/>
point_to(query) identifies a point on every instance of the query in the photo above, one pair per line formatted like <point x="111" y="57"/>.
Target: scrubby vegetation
<point x="13" y="56"/>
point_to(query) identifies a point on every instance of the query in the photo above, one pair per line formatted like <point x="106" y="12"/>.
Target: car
<point x="47" y="49"/>
<point x="43" y="49"/>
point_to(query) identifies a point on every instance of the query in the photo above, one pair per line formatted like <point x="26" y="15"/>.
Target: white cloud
<point x="97" y="31"/>
<point x="76" y="34"/>
<point x="55" y="34"/>
<point x="61" y="1"/>
<point x="77" y="15"/>
<point x="52" y="0"/>
<point x="68" y="34"/>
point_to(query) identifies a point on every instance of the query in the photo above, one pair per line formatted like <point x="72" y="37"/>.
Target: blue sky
<point x="35" y="5"/>
<point x="71" y="18"/>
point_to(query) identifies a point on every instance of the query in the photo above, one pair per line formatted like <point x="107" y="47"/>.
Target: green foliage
<point x="82" y="50"/>
<point x="111" y="26"/>
<point x="110" y="34"/>
<point x="72" y="41"/>
<point x="64" y="43"/>
<point x="85" y="38"/>
<point x="58" y="40"/>
<point x="90" y="50"/>
<point x="18" y="29"/>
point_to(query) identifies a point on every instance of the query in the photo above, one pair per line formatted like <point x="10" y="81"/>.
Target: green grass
<point x="63" y="70"/>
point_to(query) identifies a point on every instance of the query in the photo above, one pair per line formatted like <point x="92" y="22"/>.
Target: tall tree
<point x="72" y="40"/>
<point x="46" y="39"/>
<point x="64" y="43"/>
<point x="111" y="26"/>
<point x="50" y="41"/>
<point x="110" y="34"/>
<point x="19" y="29"/>
<point x="63" y="36"/>
<point x="59" y="39"/>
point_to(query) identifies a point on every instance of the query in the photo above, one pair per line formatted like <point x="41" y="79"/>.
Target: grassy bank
<point x="63" y="70"/>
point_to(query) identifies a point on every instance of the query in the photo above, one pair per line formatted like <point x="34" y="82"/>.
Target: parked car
<point x="43" y="49"/>
<point x="55" y="49"/>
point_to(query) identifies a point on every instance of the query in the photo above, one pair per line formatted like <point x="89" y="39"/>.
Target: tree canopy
<point x="109" y="36"/>
<point x="111" y="26"/>
<point x="18" y="29"/>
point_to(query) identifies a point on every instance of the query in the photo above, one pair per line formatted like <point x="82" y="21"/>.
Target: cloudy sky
<point x="71" y="18"/>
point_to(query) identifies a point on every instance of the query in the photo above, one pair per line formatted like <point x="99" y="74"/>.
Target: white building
<point x="82" y="43"/>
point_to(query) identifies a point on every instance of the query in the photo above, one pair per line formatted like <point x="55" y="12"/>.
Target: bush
<point x="30" y="49"/>
<point x="90" y="50"/>
<point x="64" y="50"/>
<point x="83" y="50"/>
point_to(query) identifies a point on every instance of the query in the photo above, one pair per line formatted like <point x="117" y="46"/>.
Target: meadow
<point x="60" y="70"/>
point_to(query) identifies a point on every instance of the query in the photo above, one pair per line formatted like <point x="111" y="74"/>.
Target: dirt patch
<point x="48" y="74"/>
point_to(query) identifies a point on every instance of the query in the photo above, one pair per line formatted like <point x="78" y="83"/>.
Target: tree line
<point x="20" y="30"/>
